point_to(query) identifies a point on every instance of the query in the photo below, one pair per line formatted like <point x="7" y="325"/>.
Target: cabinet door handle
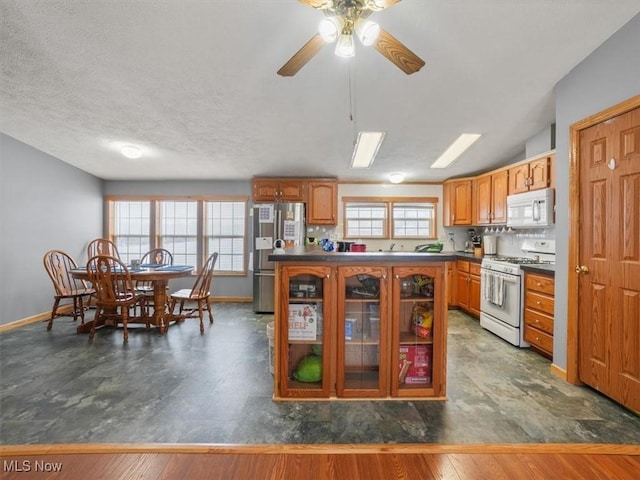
<point x="397" y="276"/>
<point x="539" y="284"/>
<point x="538" y="302"/>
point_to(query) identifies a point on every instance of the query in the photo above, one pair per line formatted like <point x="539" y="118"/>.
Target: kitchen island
<point x="360" y="325"/>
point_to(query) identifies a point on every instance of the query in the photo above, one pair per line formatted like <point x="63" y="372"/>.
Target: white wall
<point x="610" y="75"/>
<point x="44" y="204"/>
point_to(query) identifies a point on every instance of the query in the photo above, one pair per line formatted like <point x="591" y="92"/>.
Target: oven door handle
<point x="506" y="277"/>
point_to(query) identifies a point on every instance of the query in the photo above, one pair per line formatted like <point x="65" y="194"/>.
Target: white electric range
<point x="501" y="289"/>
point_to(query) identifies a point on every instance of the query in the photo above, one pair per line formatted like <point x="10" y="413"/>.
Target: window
<point x="178" y="232"/>
<point x="365" y="220"/>
<point x="413" y="220"/>
<point x="225" y="227"/>
<point x="131" y="225"/>
<point x="190" y="228"/>
<point x="372" y="217"/>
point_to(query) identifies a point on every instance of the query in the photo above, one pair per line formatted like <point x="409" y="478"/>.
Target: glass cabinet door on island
<point x="305" y="361"/>
<point x="417" y="297"/>
<point x="362" y="364"/>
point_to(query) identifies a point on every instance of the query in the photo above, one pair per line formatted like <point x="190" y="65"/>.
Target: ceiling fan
<point x="342" y="19"/>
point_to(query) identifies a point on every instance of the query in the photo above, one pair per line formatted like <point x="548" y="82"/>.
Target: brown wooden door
<point x="499" y="187"/>
<point x="609" y="286"/>
<point x="322" y="203"/>
<point x="519" y="179"/>
<point x="483" y="204"/>
<point x="461" y="198"/>
<point x="539" y="173"/>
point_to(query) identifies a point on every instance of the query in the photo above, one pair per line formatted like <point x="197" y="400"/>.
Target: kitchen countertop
<point x="298" y="254"/>
<point x="546" y="268"/>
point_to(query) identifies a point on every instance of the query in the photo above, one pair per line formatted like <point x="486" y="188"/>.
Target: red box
<point x="419" y="370"/>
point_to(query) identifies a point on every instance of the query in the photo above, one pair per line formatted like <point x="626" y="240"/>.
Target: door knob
<point x="582" y="269"/>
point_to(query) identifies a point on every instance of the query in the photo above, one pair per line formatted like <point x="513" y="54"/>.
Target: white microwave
<point x="531" y="209"/>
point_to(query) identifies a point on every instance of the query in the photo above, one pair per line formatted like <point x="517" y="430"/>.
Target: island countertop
<point x="301" y="254"/>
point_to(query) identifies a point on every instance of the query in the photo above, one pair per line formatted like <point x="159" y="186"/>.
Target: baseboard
<point x="559" y="372"/>
<point x="35" y="318"/>
<point x="232" y="299"/>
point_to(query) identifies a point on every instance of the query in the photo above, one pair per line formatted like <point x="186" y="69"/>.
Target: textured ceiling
<point x="194" y="84"/>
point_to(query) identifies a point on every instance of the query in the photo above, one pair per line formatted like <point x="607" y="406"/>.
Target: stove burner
<point x="521" y="260"/>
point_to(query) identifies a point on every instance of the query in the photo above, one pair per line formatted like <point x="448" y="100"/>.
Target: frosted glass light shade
<point x="329" y="28"/>
<point x="367" y="32"/>
<point x="345" y="46"/>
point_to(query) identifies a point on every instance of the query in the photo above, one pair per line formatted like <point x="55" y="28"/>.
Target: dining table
<point x="155" y="274"/>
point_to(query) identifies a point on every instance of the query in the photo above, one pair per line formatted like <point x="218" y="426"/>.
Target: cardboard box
<point x="303" y="321"/>
<point x="418" y="371"/>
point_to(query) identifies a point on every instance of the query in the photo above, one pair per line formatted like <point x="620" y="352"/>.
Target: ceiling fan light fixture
<point x="345" y="46"/>
<point x="367" y="31"/>
<point x="329" y="28"/>
<point x="366" y="149"/>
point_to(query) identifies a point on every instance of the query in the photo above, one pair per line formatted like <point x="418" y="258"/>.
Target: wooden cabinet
<point x="362" y="341"/>
<point x="304" y="295"/>
<point x="491" y="198"/>
<point x="418" y="332"/>
<point x="539" y="303"/>
<point x="278" y="190"/>
<point x="450" y="267"/>
<point x="458" y="202"/>
<point x="532" y="175"/>
<point x="380" y="330"/>
<point x="322" y="205"/>
<point x="468" y="286"/>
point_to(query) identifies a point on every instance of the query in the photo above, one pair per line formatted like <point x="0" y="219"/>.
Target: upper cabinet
<point x="532" y="175"/>
<point x="278" y="190"/>
<point x="319" y="194"/>
<point x="322" y="206"/>
<point x="491" y="200"/>
<point x="458" y="202"/>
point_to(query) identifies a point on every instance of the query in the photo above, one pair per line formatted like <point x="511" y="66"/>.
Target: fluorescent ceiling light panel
<point x="458" y="147"/>
<point x="366" y="149"/>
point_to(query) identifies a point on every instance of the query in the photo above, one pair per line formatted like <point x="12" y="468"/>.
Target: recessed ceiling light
<point x="131" y="151"/>
<point x="456" y="149"/>
<point x="366" y="149"/>
<point x="396" y="177"/>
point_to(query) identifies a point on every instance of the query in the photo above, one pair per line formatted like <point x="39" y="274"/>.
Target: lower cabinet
<point x="360" y="331"/>
<point x="468" y="286"/>
<point x="539" y="304"/>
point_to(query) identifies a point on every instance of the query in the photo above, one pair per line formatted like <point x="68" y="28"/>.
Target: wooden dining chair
<point x="58" y="265"/>
<point x="102" y="246"/>
<point x="156" y="256"/>
<point x="114" y="290"/>
<point x="196" y="299"/>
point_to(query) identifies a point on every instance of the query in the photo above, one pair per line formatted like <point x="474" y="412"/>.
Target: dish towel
<point x="493" y="288"/>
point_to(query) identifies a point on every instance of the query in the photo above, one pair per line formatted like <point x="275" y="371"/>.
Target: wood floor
<point x="372" y="462"/>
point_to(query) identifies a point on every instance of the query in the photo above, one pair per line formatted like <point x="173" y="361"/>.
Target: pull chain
<point x="352" y="102"/>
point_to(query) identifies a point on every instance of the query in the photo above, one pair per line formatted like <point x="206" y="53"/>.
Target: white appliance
<point x="531" y="209"/>
<point x="501" y="290"/>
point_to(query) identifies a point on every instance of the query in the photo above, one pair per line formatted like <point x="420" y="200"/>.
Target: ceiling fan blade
<point x="401" y="56"/>
<point x="319" y="4"/>
<point x="302" y="56"/>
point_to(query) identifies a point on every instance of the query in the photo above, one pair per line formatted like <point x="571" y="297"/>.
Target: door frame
<point x="574" y="227"/>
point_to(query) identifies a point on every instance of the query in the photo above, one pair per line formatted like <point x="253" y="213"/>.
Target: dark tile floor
<point x="182" y="387"/>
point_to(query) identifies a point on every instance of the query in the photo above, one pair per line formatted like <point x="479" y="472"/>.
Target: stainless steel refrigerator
<point x="271" y="222"/>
